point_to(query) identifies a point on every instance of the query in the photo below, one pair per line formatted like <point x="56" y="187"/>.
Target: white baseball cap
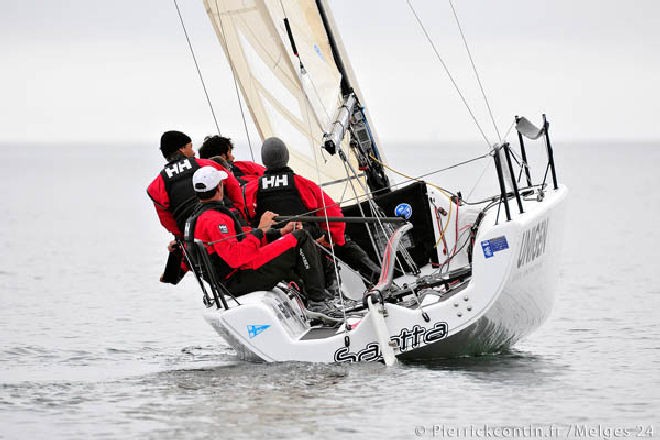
<point x="207" y="178"/>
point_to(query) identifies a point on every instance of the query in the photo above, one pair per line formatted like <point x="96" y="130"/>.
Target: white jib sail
<point x="294" y="104"/>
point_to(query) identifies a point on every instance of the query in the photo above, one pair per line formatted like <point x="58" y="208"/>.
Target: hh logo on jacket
<point x="274" y="181"/>
<point x="178" y="167"/>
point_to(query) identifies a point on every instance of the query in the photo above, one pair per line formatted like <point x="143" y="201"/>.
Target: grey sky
<point x="82" y="70"/>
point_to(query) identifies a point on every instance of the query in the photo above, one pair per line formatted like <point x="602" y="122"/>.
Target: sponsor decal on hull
<point x="493" y="245"/>
<point x="533" y="244"/>
<point x="407" y="339"/>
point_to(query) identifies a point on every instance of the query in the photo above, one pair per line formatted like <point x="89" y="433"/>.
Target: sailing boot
<point x="325" y="308"/>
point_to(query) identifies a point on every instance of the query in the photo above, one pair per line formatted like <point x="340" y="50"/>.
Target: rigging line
<point x="414" y="179"/>
<point x="386" y="229"/>
<point x="456" y="224"/>
<point x="375" y="209"/>
<point x="456" y="165"/>
<point x="367" y="194"/>
<point x="199" y="72"/>
<point x="438" y="223"/>
<point x="451" y="78"/>
<point x="419" y="178"/>
<point x="439" y="188"/>
<point x="404" y="182"/>
<point x="474" y="68"/>
<point x="515" y="157"/>
<point x="476" y="184"/>
<point x="326" y="251"/>
<point x="343" y="195"/>
<point x="240" y="106"/>
<point x="238" y="93"/>
<point x="506" y="136"/>
<point x="521" y="163"/>
<point x="305" y="74"/>
<point x="442" y="231"/>
<point x="410" y="178"/>
<point x="452" y="256"/>
<point x="325" y="215"/>
<point x="359" y="205"/>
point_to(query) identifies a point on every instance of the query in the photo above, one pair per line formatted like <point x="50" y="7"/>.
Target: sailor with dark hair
<point x="220" y="149"/>
<point x="241" y="259"/>
<point x="171" y="191"/>
<point x="281" y="190"/>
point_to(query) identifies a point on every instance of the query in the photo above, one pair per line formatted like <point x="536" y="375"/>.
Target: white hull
<point x="510" y="294"/>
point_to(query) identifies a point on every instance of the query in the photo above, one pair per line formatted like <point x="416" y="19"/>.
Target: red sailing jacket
<point x="247" y="171"/>
<point x="219" y="229"/>
<point x="312" y="197"/>
<point x="161" y="198"/>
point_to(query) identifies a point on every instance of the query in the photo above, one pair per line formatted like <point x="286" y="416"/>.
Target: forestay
<point x="294" y="99"/>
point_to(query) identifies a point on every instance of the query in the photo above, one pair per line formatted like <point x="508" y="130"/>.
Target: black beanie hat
<point x="274" y="153"/>
<point x="171" y="141"/>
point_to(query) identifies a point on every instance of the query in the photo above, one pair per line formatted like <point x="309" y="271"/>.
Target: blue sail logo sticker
<point x="493" y="245"/>
<point x="256" y="330"/>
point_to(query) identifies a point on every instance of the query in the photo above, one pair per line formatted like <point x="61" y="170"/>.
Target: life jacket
<point x="221" y="268"/>
<point x="177" y="177"/>
<point x="277" y="192"/>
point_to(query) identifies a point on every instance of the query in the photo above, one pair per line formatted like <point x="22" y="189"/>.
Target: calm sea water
<point x="92" y="345"/>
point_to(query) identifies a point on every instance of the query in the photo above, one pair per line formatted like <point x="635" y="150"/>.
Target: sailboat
<point x="457" y="278"/>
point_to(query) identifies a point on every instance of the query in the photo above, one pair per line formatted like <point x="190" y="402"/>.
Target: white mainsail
<point x="293" y="103"/>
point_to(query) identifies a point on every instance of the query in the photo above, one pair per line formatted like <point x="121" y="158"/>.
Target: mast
<point x="351" y="113"/>
<point x="346" y="87"/>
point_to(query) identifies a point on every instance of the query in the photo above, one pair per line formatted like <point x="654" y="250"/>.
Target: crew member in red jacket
<point x="220" y="149"/>
<point x="172" y="191"/>
<point x="173" y="196"/>
<point x="281" y="190"/>
<point x="241" y="258"/>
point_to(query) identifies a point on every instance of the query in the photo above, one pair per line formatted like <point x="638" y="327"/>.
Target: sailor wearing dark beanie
<point x="283" y="191"/>
<point x="171" y="141"/>
<point x="274" y="154"/>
